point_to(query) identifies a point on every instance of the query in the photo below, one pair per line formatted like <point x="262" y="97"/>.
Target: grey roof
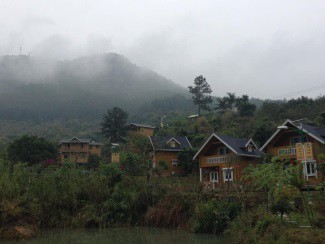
<point x="160" y="143"/>
<point x="239" y="145"/>
<point x="235" y="144"/>
<point x="80" y="140"/>
<point x="142" y="125"/>
<point x="75" y="139"/>
<point x="319" y="132"/>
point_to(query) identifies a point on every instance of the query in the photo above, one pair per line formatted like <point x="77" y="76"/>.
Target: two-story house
<point x="78" y="150"/>
<point x="167" y="148"/>
<point x="222" y="159"/>
<point x="299" y="143"/>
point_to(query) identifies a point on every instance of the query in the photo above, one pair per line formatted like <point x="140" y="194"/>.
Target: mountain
<point x="32" y="88"/>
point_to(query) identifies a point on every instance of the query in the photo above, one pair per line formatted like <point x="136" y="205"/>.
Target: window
<point x="250" y="148"/>
<point x="174" y="162"/>
<point x="286" y="151"/>
<point x="83" y="145"/>
<point x="297" y="139"/>
<point x="311" y="169"/>
<point x="97" y="146"/>
<point x="66" y="155"/>
<point x="83" y="155"/>
<point x="172" y="144"/>
<point x="214" y="177"/>
<point x="223" y="150"/>
<point x="90" y="147"/>
<point x="228" y="174"/>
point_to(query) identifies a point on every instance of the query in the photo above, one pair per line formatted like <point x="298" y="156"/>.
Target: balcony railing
<point x="215" y="160"/>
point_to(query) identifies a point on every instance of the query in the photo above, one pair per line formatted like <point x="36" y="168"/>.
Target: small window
<point x="66" y="155"/>
<point x="90" y="147"/>
<point x="83" y="155"/>
<point x="172" y="144"/>
<point x="311" y="169"/>
<point x="214" y="177"/>
<point x="174" y="162"/>
<point x="97" y="146"/>
<point x="250" y="149"/>
<point x="228" y="174"/>
<point x="83" y="145"/>
<point x="223" y="150"/>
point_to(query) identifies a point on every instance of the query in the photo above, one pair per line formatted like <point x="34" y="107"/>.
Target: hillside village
<point x="222" y="159"/>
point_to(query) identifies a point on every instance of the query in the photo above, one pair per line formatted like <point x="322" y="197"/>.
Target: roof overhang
<point x="209" y="139"/>
<point x="290" y="122"/>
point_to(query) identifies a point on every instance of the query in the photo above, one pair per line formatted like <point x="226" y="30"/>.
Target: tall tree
<point x="200" y="92"/>
<point x="114" y="124"/>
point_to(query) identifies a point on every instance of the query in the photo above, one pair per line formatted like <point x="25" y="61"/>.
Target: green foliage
<point x="200" y="90"/>
<point x="214" y="216"/>
<point x="31" y="149"/>
<point x="185" y="158"/>
<point x="114" y="124"/>
<point x="160" y="168"/>
<point x="94" y="159"/>
<point x="131" y="163"/>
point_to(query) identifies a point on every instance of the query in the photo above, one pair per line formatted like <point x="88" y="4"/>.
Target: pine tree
<point x="200" y="91"/>
<point x="114" y="124"/>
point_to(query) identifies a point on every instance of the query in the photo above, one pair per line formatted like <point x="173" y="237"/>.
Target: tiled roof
<point x="161" y="143"/>
<point x="80" y="140"/>
<point x="239" y="145"/>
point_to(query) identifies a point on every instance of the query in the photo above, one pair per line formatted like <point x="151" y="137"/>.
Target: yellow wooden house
<point x="78" y="150"/>
<point x="142" y="129"/>
<point x="301" y="143"/>
<point x="167" y="148"/>
<point x="222" y="159"/>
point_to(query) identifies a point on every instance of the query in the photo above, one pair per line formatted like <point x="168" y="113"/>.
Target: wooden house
<point x="300" y="143"/>
<point x="166" y="148"/>
<point x="145" y="130"/>
<point x="78" y="150"/>
<point x="222" y="159"/>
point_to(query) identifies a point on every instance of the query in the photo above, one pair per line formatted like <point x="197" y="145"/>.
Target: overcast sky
<point x="261" y="48"/>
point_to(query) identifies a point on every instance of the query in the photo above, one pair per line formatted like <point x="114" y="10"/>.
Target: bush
<point x="213" y="216"/>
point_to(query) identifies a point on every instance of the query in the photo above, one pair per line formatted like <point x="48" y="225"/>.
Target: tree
<point x="114" y="124"/>
<point x="185" y="158"/>
<point x="31" y="149"/>
<point x="200" y="91"/>
<point x="245" y="108"/>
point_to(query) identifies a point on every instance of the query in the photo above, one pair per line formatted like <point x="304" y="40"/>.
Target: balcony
<point x="213" y="160"/>
<point x="73" y="149"/>
<point x="298" y="151"/>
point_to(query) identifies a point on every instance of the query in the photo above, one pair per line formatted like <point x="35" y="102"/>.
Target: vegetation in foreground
<point x="37" y="196"/>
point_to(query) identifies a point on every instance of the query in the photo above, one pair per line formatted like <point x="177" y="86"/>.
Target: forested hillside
<point x="58" y="99"/>
<point x="36" y="89"/>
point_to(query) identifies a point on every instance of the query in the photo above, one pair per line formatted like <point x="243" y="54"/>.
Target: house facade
<point x="78" y="150"/>
<point x="300" y="143"/>
<point x="222" y="159"/>
<point x="166" y="149"/>
<point x="145" y="130"/>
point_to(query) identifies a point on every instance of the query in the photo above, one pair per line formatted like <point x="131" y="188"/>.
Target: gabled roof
<point x="76" y="140"/>
<point x="160" y="143"/>
<point x="236" y="145"/>
<point x="142" y="125"/>
<point x="318" y="133"/>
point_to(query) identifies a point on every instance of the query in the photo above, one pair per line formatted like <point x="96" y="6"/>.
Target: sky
<point x="266" y="49"/>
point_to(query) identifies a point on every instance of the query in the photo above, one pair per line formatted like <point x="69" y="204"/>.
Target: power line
<point x="301" y="91"/>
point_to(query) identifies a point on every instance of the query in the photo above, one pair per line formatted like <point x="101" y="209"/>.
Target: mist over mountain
<point x="35" y="88"/>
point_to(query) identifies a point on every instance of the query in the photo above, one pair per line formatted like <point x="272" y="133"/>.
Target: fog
<point x="265" y="49"/>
